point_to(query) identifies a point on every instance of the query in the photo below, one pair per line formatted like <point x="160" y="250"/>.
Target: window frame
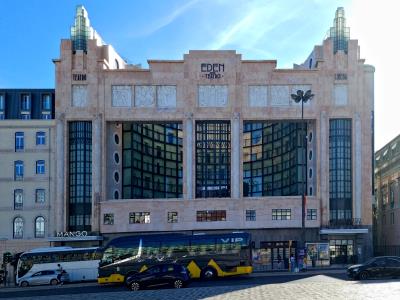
<point x="18" y="170"/>
<point x="40" y="138"/>
<point x="41" y="233"/>
<point x="37" y="193"/>
<point x="18" y="194"/>
<point x="19" y="141"/>
<point x="20" y="233"/>
<point x="40" y="167"/>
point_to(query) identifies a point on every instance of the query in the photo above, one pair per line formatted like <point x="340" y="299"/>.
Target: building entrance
<point x="279" y="254"/>
<point x="341" y="251"/>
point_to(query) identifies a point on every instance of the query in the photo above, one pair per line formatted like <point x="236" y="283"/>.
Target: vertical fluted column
<point x="60" y="195"/>
<point x="96" y="171"/>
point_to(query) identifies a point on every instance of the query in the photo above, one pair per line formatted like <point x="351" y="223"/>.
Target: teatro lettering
<point x="71" y="233"/>
<point x="79" y="77"/>
<point x="212" y="71"/>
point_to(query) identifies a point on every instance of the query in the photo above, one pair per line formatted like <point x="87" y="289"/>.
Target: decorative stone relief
<point x="280" y="95"/>
<point x="79" y="95"/>
<point x="258" y="95"/>
<point x="145" y="95"/>
<point x="166" y="96"/>
<point x="305" y="88"/>
<point x="340" y="94"/>
<point x="213" y="95"/>
<point x="121" y="96"/>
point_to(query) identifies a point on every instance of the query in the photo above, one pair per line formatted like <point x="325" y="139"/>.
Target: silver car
<point x="52" y="277"/>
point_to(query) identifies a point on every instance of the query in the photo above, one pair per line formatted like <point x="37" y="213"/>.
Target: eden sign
<point x="212" y="71"/>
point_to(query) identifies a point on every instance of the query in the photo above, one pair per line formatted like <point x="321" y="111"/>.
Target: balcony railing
<point x="344" y="223"/>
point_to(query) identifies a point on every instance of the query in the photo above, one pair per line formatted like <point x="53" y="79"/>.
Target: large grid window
<point x="213" y="159"/>
<point x="210" y="215"/>
<point x="340" y="169"/>
<point x="80" y="175"/>
<point x="281" y="214"/>
<point x="152" y="160"/>
<point x="139" y="217"/>
<point x="273" y="159"/>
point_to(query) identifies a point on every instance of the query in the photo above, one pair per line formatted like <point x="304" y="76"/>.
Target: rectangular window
<point x="139" y="217"/>
<point x="392" y="218"/>
<point x="25" y="102"/>
<point x="213" y="159"/>
<point x="40" y="196"/>
<point x="18" y="170"/>
<point x="281" y="214"/>
<point x="46" y="102"/>
<point x="80" y="175"/>
<point x="40" y="167"/>
<point x="210" y="215"/>
<point x="250" y="215"/>
<point x="19" y="141"/>
<point x="152" y="163"/>
<point x="273" y="158"/>
<point x="172" y="217"/>
<point x="340" y="170"/>
<point x="40" y="138"/>
<point x="108" y="219"/>
<point x="311" y="214"/>
<point x="18" y="199"/>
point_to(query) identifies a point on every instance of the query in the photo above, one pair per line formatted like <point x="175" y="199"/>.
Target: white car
<point x="51" y="277"/>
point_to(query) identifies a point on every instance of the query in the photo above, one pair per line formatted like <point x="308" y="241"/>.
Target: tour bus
<point x="205" y="255"/>
<point x="80" y="263"/>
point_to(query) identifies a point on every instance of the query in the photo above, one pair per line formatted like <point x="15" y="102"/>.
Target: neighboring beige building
<point x="214" y="142"/>
<point x="27" y="164"/>
<point x="387" y="205"/>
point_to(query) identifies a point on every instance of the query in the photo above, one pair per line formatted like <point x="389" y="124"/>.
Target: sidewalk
<point x="333" y="269"/>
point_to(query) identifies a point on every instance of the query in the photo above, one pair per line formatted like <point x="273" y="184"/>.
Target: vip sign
<point x="212" y="71"/>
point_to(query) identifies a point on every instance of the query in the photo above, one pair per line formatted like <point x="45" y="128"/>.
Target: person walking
<point x="292" y="263"/>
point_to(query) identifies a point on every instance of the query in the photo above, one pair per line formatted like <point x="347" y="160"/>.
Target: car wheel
<point x="24" y="283"/>
<point x="54" y="282"/>
<point x="135" y="286"/>
<point x="178" y="284"/>
<point x="363" y="276"/>
<point x="208" y="273"/>
<point x="128" y="275"/>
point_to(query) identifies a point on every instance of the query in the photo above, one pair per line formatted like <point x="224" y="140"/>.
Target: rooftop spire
<point x="339" y="32"/>
<point x="81" y="31"/>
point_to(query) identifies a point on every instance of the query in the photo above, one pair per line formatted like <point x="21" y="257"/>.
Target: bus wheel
<point x="135" y="286"/>
<point x="208" y="273"/>
<point x="24" y="283"/>
<point x="54" y="282"/>
<point x="178" y="284"/>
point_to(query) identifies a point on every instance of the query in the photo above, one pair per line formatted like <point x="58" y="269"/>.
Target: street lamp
<point x="302" y="97"/>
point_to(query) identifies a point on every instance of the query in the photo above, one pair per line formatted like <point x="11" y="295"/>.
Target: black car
<point x="160" y="275"/>
<point x="377" y="267"/>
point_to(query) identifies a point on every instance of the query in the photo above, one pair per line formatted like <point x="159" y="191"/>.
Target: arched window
<point x="39" y="227"/>
<point x="18" y="228"/>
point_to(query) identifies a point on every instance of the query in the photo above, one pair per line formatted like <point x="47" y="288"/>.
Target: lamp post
<point x="302" y="97"/>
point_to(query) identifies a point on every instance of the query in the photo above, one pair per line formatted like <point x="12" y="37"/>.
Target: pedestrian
<point x="279" y="261"/>
<point x="60" y="272"/>
<point x="292" y="263"/>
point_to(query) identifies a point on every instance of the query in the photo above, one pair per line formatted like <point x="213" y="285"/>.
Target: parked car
<point x="377" y="267"/>
<point x="173" y="275"/>
<point x="52" y="277"/>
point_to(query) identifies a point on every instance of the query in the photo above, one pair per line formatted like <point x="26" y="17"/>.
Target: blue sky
<point x="285" y="30"/>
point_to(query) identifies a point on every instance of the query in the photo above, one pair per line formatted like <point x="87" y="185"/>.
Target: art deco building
<point x="27" y="189"/>
<point x="214" y="142"/>
<point x="386" y="208"/>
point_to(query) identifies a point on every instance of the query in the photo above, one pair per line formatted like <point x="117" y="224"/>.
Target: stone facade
<point x="29" y="208"/>
<point x="386" y="206"/>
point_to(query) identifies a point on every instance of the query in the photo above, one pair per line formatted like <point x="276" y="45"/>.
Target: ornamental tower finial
<point x="339" y="32"/>
<point x="81" y="31"/>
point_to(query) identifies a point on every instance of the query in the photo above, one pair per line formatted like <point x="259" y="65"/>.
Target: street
<point x="257" y="286"/>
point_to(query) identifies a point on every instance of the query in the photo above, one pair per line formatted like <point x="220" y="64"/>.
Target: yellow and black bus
<point x="205" y="255"/>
